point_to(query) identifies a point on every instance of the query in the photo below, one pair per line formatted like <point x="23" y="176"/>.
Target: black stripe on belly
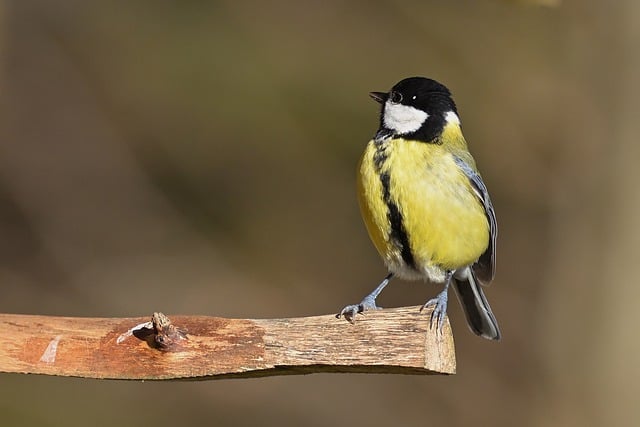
<point x="398" y="233"/>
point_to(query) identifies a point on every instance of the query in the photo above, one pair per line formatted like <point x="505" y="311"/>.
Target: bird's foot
<point x="439" y="310"/>
<point x="350" y="311"/>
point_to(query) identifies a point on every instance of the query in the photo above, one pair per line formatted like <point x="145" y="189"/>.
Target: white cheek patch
<point x="452" y="117"/>
<point x="402" y="118"/>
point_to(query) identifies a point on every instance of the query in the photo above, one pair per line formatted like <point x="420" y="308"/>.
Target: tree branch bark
<point x="396" y="340"/>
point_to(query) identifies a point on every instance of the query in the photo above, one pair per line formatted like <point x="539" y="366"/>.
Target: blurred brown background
<point x="199" y="158"/>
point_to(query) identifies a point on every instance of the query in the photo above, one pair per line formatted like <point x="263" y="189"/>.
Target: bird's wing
<point x="485" y="267"/>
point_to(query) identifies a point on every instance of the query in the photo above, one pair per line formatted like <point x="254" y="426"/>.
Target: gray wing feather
<point x="485" y="267"/>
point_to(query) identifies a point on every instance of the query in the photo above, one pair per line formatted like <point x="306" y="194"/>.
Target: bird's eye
<point x="414" y="97"/>
<point x="395" y="97"/>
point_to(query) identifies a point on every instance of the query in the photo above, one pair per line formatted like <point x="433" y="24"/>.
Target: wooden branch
<point x="199" y="347"/>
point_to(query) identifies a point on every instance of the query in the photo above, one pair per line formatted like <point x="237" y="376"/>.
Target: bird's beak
<point x="380" y="97"/>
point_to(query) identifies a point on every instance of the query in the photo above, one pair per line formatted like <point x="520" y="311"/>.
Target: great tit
<point x="424" y="204"/>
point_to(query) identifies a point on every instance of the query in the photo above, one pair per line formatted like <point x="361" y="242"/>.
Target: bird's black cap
<point x="420" y="92"/>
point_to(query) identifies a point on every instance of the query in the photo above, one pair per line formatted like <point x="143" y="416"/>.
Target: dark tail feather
<point x="476" y="308"/>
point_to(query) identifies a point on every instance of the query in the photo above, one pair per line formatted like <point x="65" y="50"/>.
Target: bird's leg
<point x="440" y="302"/>
<point x="367" y="303"/>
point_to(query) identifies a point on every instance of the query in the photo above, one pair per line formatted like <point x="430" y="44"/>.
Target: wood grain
<point x="385" y="341"/>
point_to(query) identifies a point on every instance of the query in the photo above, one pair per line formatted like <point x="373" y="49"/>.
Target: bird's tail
<point x="476" y="307"/>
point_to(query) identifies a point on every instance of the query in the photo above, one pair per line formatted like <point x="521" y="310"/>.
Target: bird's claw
<point x="350" y="311"/>
<point x="439" y="310"/>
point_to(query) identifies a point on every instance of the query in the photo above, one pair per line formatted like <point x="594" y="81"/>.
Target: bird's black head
<point x="416" y="108"/>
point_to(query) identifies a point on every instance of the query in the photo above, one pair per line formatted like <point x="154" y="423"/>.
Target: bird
<point x="425" y="205"/>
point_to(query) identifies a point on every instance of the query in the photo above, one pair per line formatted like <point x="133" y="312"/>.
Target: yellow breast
<point x="444" y="221"/>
